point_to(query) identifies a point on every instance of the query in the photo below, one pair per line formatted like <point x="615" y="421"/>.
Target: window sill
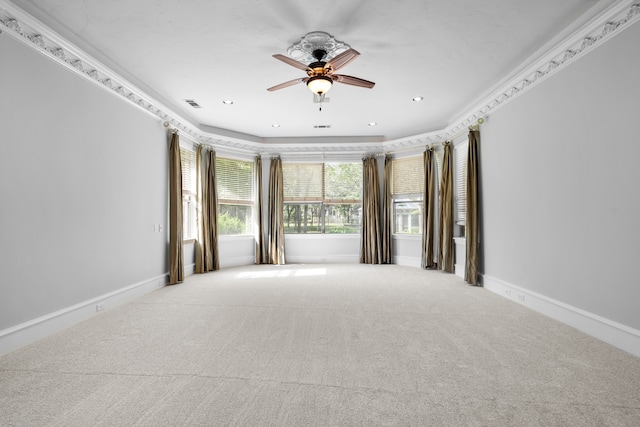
<point x="236" y="237"/>
<point x="318" y="236"/>
<point x="407" y="236"/>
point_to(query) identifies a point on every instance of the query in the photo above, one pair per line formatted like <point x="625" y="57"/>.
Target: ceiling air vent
<point x="322" y="126"/>
<point x="193" y="103"/>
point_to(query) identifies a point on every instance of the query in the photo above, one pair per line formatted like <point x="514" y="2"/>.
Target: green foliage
<point x="228" y="224"/>
<point x="343" y="181"/>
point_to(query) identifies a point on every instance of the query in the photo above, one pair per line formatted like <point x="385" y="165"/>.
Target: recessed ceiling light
<point x="372" y="124"/>
<point x="418" y="98"/>
<point x="227" y="101"/>
<point x="275" y="125"/>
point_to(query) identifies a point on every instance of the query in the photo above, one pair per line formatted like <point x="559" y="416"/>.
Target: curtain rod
<point x="474" y="126"/>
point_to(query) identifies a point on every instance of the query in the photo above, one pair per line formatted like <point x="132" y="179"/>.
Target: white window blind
<point x="188" y="165"/>
<point x="303" y="182"/>
<point x="407" y="175"/>
<point x="461" y="183"/>
<point x="235" y="181"/>
<point x="439" y="158"/>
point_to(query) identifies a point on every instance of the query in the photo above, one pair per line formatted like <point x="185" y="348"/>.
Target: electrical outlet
<point x="507" y="292"/>
<point x="521" y="297"/>
<point x="99" y="306"/>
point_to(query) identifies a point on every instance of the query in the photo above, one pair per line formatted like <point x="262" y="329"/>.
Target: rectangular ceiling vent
<point x="322" y="126"/>
<point x="193" y="103"/>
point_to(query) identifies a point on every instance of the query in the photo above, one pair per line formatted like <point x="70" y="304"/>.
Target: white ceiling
<point x="450" y="52"/>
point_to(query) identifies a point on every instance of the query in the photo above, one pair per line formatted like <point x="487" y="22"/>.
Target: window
<point x="235" y="181"/>
<point x="188" y="165"/>
<point x="322" y="197"/>
<point x="407" y="187"/>
<point x="461" y="183"/>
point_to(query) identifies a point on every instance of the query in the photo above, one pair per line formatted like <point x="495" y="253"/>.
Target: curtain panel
<point x="446" y="248"/>
<point x="387" y="213"/>
<point x="199" y="216"/>
<point x="207" y="248"/>
<point x="210" y="200"/>
<point x="471" y="226"/>
<point x="428" y="217"/>
<point x="176" y="258"/>
<point x="370" y="248"/>
<point x="276" y="213"/>
<point x="261" y="247"/>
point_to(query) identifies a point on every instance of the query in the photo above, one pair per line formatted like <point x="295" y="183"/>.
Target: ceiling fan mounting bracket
<point x="319" y="54"/>
<point x="304" y="50"/>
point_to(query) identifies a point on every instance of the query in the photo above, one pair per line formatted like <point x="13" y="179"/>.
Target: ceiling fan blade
<point x="354" y="81"/>
<point x="342" y="59"/>
<point x="287" y="84"/>
<point x="292" y="62"/>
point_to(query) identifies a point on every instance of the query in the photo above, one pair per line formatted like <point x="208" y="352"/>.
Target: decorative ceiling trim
<point x="22" y="26"/>
<point x="302" y="51"/>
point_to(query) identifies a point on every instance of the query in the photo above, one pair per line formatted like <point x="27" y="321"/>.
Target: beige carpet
<point x="320" y="345"/>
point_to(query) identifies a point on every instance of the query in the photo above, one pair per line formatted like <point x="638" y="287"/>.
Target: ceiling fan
<point x="320" y="75"/>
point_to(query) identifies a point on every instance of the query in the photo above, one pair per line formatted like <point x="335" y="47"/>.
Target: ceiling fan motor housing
<point x="318" y="66"/>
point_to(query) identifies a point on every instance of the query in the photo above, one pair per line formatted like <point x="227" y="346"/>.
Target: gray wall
<point x="560" y="178"/>
<point x="82" y="183"/>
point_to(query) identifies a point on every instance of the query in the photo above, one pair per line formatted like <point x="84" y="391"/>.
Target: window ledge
<point x="407" y="236"/>
<point x="322" y="236"/>
<point x="236" y="237"/>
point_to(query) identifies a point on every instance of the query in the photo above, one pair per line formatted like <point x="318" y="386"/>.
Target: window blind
<point x="407" y="176"/>
<point x="439" y="158"/>
<point x="188" y="165"/>
<point x="461" y="182"/>
<point x="303" y="182"/>
<point x="235" y="181"/>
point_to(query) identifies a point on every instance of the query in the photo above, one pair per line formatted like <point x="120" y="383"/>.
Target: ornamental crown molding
<point x="18" y="24"/>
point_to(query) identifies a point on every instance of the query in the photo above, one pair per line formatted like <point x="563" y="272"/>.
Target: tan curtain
<point x="446" y="248"/>
<point x="261" y="247"/>
<point x="471" y="225"/>
<point x="276" y="214"/>
<point x="387" y="213"/>
<point x="428" y="217"/>
<point x="211" y="261"/>
<point x="199" y="216"/>
<point x="176" y="258"/>
<point x="370" y="250"/>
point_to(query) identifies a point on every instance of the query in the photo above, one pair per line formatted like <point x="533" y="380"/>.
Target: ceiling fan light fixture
<point x="319" y="84"/>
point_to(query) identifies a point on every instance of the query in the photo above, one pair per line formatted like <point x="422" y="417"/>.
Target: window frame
<point x="411" y="191"/>
<point x="318" y="197"/>
<point x="250" y="202"/>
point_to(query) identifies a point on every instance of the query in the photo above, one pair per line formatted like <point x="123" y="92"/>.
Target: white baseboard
<point x="189" y="270"/>
<point x="407" y="261"/>
<point x="33" y="330"/>
<point x="609" y="331"/>
<point x="324" y="259"/>
<point x="237" y="261"/>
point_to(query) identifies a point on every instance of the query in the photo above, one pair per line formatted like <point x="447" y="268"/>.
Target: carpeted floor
<point x="320" y="345"/>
